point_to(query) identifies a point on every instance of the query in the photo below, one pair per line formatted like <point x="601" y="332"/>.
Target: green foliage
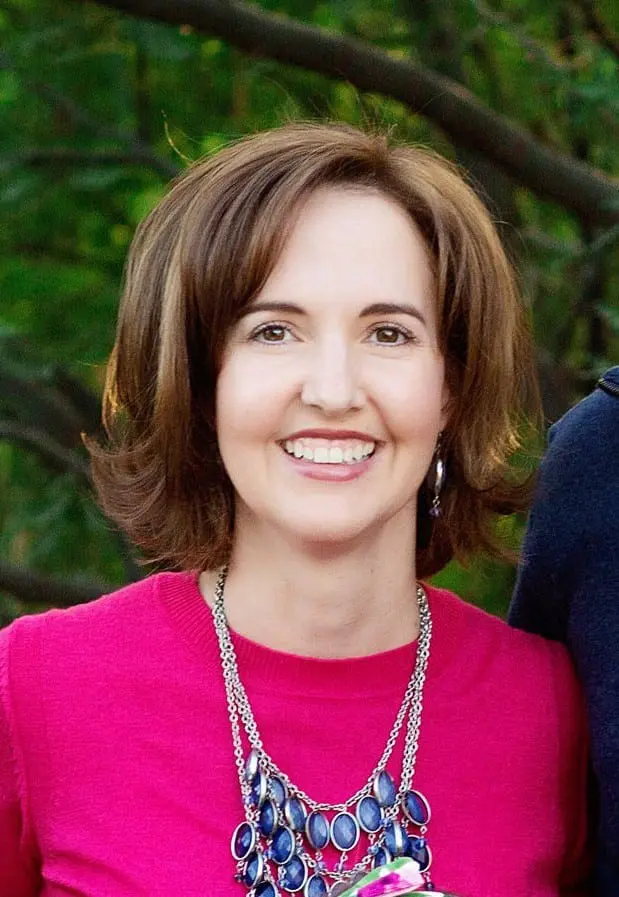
<point x="97" y="111"/>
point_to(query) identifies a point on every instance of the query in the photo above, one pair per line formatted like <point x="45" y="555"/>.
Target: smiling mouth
<point x="322" y="451"/>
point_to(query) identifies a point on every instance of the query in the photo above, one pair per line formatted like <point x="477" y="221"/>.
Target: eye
<point x="391" y="335"/>
<point x="272" y="333"/>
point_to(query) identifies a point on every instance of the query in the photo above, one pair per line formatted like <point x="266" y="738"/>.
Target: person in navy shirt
<point x="568" y="583"/>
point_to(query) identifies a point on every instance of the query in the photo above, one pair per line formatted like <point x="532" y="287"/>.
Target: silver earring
<point x="440" y="471"/>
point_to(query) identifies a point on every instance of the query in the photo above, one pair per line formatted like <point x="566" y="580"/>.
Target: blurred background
<point x="101" y="105"/>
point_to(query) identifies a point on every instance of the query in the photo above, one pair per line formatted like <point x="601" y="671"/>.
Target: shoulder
<point x="520" y="690"/>
<point x="64" y="623"/>
<point x="65" y="671"/>
<point x="528" y="670"/>
<point x="575" y="510"/>
<point x="609" y="382"/>
<point x="112" y="626"/>
<point x="595" y="416"/>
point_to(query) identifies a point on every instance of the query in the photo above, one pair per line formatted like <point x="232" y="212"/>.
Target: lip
<point x="330" y="473"/>
<point x="331" y="434"/>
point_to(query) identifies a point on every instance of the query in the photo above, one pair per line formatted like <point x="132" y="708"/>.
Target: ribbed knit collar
<point x="269" y="669"/>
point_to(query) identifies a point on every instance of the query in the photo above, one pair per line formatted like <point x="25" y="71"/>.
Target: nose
<point x="331" y="381"/>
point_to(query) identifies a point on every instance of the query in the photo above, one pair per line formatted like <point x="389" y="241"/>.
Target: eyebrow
<point x="377" y="308"/>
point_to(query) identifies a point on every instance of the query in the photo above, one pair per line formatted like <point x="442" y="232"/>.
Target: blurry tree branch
<point x="135" y="149"/>
<point x="43" y="445"/>
<point x="61" y="157"/>
<point x="549" y="244"/>
<point x="596" y="25"/>
<point x="53" y="402"/>
<point x="445" y="49"/>
<point x="68" y="255"/>
<point x="46" y="414"/>
<point x="533" y="47"/>
<point x="602" y="242"/>
<point x="36" y="590"/>
<point x="549" y="173"/>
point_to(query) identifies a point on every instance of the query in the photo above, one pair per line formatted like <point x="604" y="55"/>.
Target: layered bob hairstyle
<point x="207" y="250"/>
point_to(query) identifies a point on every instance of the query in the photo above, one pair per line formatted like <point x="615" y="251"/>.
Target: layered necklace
<point x="279" y="845"/>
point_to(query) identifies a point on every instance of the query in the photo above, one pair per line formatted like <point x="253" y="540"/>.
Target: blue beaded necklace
<point x="279" y="845"/>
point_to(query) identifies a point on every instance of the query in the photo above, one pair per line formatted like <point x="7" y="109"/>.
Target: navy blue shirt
<point x="568" y="582"/>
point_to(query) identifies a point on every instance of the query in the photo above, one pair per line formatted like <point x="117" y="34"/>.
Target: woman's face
<point x="331" y="392"/>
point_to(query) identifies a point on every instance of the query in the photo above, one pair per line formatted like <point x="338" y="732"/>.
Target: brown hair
<point x="201" y="256"/>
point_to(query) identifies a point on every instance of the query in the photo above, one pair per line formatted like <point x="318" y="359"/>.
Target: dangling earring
<point x="440" y="471"/>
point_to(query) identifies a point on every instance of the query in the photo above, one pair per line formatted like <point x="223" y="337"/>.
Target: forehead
<point x="352" y="244"/>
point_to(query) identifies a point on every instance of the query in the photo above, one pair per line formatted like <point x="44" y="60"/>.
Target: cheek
<point x="247" y="402"/>
<point x="413" y="403"/>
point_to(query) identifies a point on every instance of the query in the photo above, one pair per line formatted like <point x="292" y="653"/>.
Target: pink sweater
<point x="116" y="769"/>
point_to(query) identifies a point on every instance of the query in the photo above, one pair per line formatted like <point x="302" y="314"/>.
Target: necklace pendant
<point x="396" y="838"/>
<point x="266" y="889"/>
<point x="369" y="814"/>
<point x="384" y="789"/>
<point x="416" y="807"/>
<point x="295" y="813"/>
<point x="315" y="887"/>
<point x="259" y="789"/>
<point x="254" y="869"/>
<point x="317" y="830"/>
<point x="252" y="765"/>
<point x="344" y="832"/>
<point x="293" y="876"/>
<point x="243" y="841"/>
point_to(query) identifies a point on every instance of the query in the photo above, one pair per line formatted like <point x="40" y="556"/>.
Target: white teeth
<point x="329" y="454"/>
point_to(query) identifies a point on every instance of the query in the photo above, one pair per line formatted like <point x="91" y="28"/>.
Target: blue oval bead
<point x="278" y="791"/>
<point x="243" y="841"/>
<point x="267" y="822"/>
<point x="344" y="831"/>
<point x="315" y="887"/>
<point x="384" y="789"/>
<point x="293" y="875"/>
<point x="283" y="845"/>
<point x="259" y="789"/>
<point x="266" y="889"/>
<point x="396" y="838"/>
<point x="317" y="830"/>
<point x="252" y="765"/>
<point x="254" y="869"/>
<point x="418" y="850"/>
<point x="381" y="857"/>
<point x="416" y="807"/>
<point x="295" y="813"/>
<point x="369" y="814"/>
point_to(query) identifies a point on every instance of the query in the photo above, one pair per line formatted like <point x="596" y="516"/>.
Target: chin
<point x="328" y="534"/>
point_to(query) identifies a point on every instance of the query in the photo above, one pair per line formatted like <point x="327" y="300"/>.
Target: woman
<point x="318" y="379"/>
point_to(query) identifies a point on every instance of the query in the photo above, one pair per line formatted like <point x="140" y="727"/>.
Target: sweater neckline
<point x="268" y="669"/>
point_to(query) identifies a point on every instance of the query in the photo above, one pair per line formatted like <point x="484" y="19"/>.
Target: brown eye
<point x="271" y="333"/>
<point x="387" y="335"/>
<point x="391" y="336"/>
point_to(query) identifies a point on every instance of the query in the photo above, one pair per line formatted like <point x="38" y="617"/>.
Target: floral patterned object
<point x="400" y="878"/>
<point x="396" y="879"/>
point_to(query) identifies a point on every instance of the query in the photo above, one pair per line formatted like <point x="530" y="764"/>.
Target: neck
<point x="322" y="600"/>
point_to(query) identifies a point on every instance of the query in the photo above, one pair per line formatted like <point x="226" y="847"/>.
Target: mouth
<point x="329" y="451"/>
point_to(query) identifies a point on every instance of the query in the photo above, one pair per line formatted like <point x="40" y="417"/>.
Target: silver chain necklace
<point x="280" y="843"/>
